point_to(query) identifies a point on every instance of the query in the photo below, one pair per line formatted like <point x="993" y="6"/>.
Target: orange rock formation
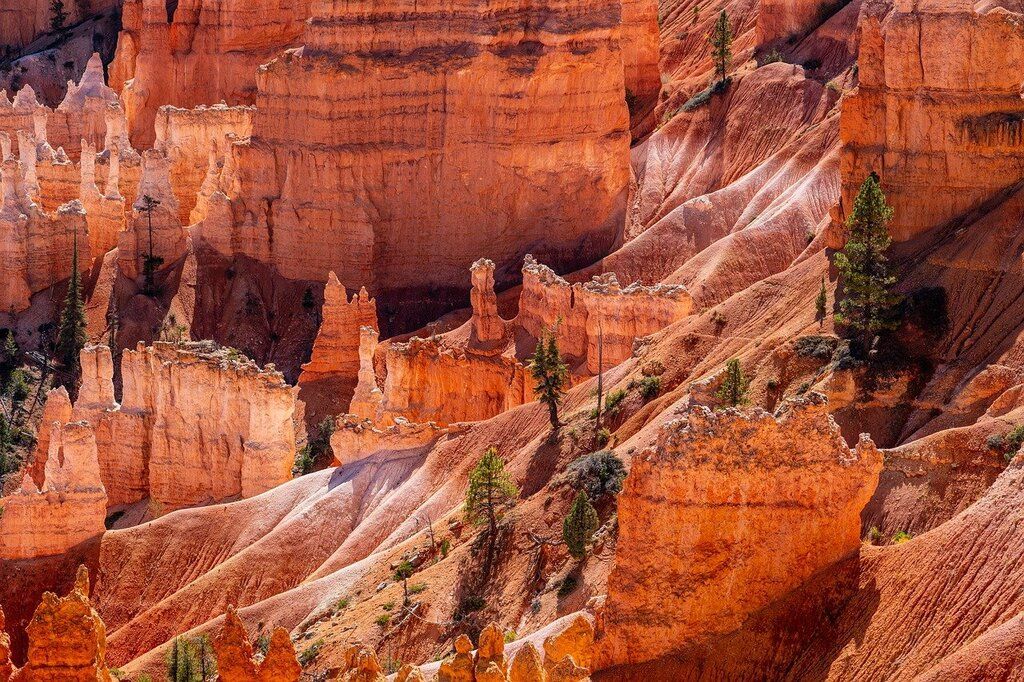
<point x="946" y="71"/>
<point x="720" y="502"/>
<point x="196" y="52"/>
<point x="308" y="167"/>
<point x="67" y="508"/>
<point x="235" y="655"/>
<point x="194" y="425"/>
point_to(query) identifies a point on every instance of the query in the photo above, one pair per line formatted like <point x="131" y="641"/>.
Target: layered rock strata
<point x="67" y="508"/>
<point x="196" y="424"/>
<point x="597" y="318"/>
<point x="23" y="21"/>
<point x="725" y="499"/>
<point x="36" y="248"/>
<point x="377" y="106"/>
<point x="937" y="113"/>
<point x="197" y="143"/>
<point x="197" y="52"/>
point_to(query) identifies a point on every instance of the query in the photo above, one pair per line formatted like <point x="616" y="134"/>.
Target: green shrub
<point x="383" y="620"/>
<point x="579" y="526"/>
<point x="900" y="537"/>
<point x="417" y="588"/>
<point x="613" y="401"/>
<point x="446" y="546"/>
<point x="817" y="347"/>
<point x="771" y="57"/>
<point x="341" y="604"/>
<point x="875" y="535"/>
<point x="650" y="387"/>
<point x="510" y="636"/>
<point x="598" y="474"/>
<point x="388" y="606"/>
<point x="602" y="437"/>
<point x="473" y="602"/>
<point x="309" y="654"/>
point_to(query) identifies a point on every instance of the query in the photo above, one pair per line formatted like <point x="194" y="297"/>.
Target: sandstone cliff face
<point x="197" y="142"/>
<point x="331" y="374"/>
<point x="938" y="113"/>
<point x="351" y="121"/>
<point x="66" y="639"/>
<point x="196" y="52"/>
<point x="69" y="506"/>
<point x="729" y="499"/>
<point x="235" y="655"/>
<point x="35" y="247"/>
<point x="194" y="425"/>
<point x="21" y="21"/>
<point x="158" y="231"/>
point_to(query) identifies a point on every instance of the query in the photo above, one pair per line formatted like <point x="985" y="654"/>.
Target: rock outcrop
<point x="6" y="667"/>
<point x="235" y="661"/>
<point x="196" y="424"/>
<point x="331" y="374"/>
<point x="195" y="53"/>
<point x="67" y="508"/>
<point x="155" y="229"/>
<point x="352" y="129"/>
<point x="487" y="325"/>
<point x="729" y="499"/>
<point x="937" y="113"/>
<point x="66" y="639"/>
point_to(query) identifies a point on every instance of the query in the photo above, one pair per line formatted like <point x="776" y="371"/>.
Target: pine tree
<point x="721" y="45"/>
<point x="733" y="391"/>
<point x="58" y="15"/>
<point x="491" y="493"/>
<point x="71" y="336"/>
<point x="151" y="262"/>
<point x="868" y="302"/>
<point x="821" y="302"/>
<point x="579" y="526"/>
<point x="550" y="373"/>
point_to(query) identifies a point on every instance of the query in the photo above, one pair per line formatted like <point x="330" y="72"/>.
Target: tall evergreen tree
<point x="579" y="526"/>
<point x="721" y="45"/>
<point x="733" y="391"/>
<point x="868" y="301"/>
<point x="71" y="336"/>
<point x="550" y="373"/>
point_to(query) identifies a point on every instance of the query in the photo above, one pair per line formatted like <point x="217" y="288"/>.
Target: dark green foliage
<point x="191" y="659"/>
<point x="446" y="546"/>
<point x="9" y="463"/>
<point x="1009" y="444"/>
<point x="733" y="391"/>
<point x="650" y="387"/>
<point x="17" y="388"/>
<point x="316" y="451"/>
<point x="58" y="16"/>
<point x="721" y="45"/>
<point x="613" y="401"/>
<point x="473" y="602"/>
<point x="71" y="336"/>
<point x="403" y="572"/>
<point x="704" y="96"/>
<point x="309" y="654"/>
<point x="567" y="586"/>
<point x="151" y="262"/>
<point x="821" y="303"/>
<point x="867" y="306"/>
<point x="771" y="57"/>
<point x="928" y="310"/>
<point x="550" y="373"/>
<point x="579" y="526"/>
<point x="817" y="347"/>
<point x="9" y="354"/>
<point x="261" y="646"/>
<point x="599" y="473"/>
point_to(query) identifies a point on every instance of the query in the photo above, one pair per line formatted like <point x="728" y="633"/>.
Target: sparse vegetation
<point x="341" y="604"/>
<point x="601" y="437"/>
<point x="310" y="653"/>
<point x="388" y="606"/>
<point x="721" y="45"/>
<point x="817" y="347"/>
<point x="821" y="303"/>
<point x="446" y="546"/>
<point x="403" y="572"/>
<point x="650" y="387"/>
<point x="383" y="620"/>
<point x="599" y="474"/>
<point x="471" y="603"/>
<point x="417" y="588"/>
<point x="317" y="450"/>
<point x="579" y="526"/>
<point x="899" y="537"/>
<point x="1008" y="444"/>
<point x="71" y="336"/>
<point x="490" y="495"/>
<point x="191" y="659"/>
<point x="613" y="401"/>
<point x="58" y="16"/>
<point x="568" y="586"/>
<point x="733" y="391"/>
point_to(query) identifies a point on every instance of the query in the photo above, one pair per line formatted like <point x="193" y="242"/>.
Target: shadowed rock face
<point x="235" y="655"/>
<point x="938" y="113"/>
<point x="725" y="502"/>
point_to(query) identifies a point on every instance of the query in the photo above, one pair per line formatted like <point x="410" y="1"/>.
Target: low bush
<point x="650" y="387"/>
<point x="598" y="474"/>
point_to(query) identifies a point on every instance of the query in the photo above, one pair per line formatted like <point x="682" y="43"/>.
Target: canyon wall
<point x="396" y="153"/>
<point x="22" y="21"/>
<point x="196" y="424"/>
<point x="198" y="52"/>
<point x="66" y="508"/>
<point x="937" y="114"/>
<point x="197" y="142"/>
<point x="729" y="500"/>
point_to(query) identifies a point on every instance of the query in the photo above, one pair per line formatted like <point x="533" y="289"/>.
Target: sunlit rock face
<point x="729" y="498"/>
<point x="195" y="424"/>
<point x="938" y="113"/>
<point x="397" y="147"/>
<point x="203" y="52"/>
